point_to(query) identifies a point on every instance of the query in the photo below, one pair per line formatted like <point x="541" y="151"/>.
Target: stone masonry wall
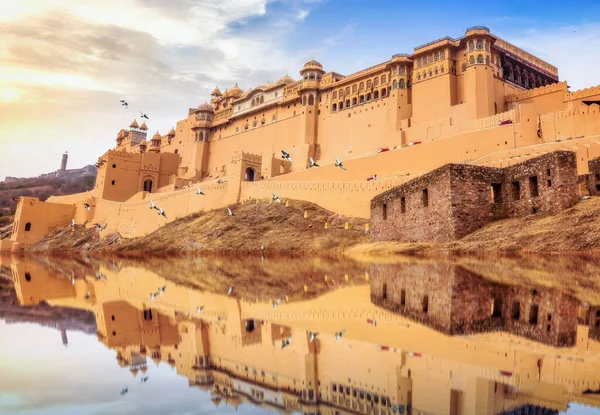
<point x="418" y="210"/>
<point x="464" y="198"/>
<point x="593" y="178"/>
<point x="453" y="300"/>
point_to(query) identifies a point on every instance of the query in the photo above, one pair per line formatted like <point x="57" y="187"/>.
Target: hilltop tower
<point x="63" y="163"/>
<point x="309" y="90"/>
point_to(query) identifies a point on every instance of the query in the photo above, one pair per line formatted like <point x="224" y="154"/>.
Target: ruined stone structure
<point x="456" y="301"/>
<point x="475" y="99"/>
<point x="233" y="347"/>
<point x="456" y="199"/>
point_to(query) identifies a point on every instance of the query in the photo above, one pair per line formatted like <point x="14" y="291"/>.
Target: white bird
<point x="230" y="213"/>
<point x="276" y="198"/>
<point x="161" y="212"/>
<point x="144" y="379"/>
<point x="229" y="291"/>
<point x="286" y="342"/>
<point x="144" y="115"/>
<point x="161" y="290"/>
<point x="339" y="335"/>
<point x="198" y="191"/>
<point x="87" y="295"/>
<point x="312" y="336"/>
<point x="221" y="181"/>
<point x="152" y="296"/>
<point x="100" y="227"/>
<point x="124" y="390"/>
<point x="338" y="163"/>
<point x="99" y="276"/>
<point x="277" y="302"/>
<point x="73" y="223"/>
<point x="72" y="280"/>
<point x="312" y="163"/>
<point x="124" y="103"/>
<point x="152" y="205"/>
<point x="87" y="206"/>
<point x="199" y="309"/>
<point x="286" y="156"/>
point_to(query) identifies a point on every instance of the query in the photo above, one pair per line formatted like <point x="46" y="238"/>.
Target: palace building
<point x="476" y="99"/>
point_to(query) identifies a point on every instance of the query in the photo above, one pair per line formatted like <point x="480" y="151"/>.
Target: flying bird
<point x="277" y="302"/>
<point x="312" y="163"/>
<point x="144" y="115"/>
<point x="221" y="181"/>
<point x="100" y="227"/>
<point x="161" y="212"/>
<point x="286" y="342"/>
<point x="276" y="198"/>
<point x="312" y="336"/>
<point x="87" y="206"/>
<point x="144" y="379"/>
<point x="339" y="335"/>
<point x="124" y="103"/>
<point x="87" y="295"/>
<point x="152" y="205"/>
<point x="199" y="309"/>
<point x="286" y="156"/>
<point x="73" y="223"/>
<point x="229" y="291"/>
<point x="198" y="191"/>
<point x="230" y="213"/>
<point x="161" y="290"/>
<point x="338" y="163"/>
<point x="124" y="391"/>
<point x="152" y="296"/>
<point x="72" y="280"/>
<point x="99" y="276"/>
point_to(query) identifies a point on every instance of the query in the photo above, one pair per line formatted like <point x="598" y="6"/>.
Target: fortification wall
<point x="345" y="198"/>
<point x="546" y="98"/>
<point x="35" y="219"/>
<point x="74" y="198"/>
<point x="575" y="122"/>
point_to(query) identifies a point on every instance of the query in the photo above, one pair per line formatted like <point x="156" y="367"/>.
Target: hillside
<point x="277" y="227"/>
<point x="42" y="187"/>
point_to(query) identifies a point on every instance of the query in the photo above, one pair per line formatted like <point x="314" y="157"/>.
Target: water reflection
<point x="452" y="336"/>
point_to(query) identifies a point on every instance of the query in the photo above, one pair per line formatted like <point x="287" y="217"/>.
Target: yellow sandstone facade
<point x="476" y="99"/>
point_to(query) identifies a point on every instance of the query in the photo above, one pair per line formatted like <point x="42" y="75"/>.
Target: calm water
<point x="448" y="336"/>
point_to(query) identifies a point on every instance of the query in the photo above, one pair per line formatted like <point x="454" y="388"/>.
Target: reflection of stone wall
<point x="457" y="199"/>
<point x="594" y="320"/>
<point x="453" y="300"/>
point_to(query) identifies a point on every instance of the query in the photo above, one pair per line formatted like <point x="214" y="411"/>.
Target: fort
<point x="475" y="100"/>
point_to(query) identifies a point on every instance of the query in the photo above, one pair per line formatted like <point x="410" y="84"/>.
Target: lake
<point x="306" y="335"/>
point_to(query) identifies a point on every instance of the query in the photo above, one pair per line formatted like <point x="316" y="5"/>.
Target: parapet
<point x="536" y="92"/>
<point x="583" y="93"/>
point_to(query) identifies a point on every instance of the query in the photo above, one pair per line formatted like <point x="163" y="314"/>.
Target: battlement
<point x="583" y="93"/>
<point x="536" y="92"/>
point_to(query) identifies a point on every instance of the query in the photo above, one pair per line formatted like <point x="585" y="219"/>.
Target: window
<point x="237" y="130"/>
<point x="347" y="103"/>
<point x="334" y="108"/>
<point x="347" y="90"/>
<point x="436" y="56"/>
<point x="533" y="314"/>
<point x="334" y="95"/>
<point x="429" y="59"/>
<point x="148" y="315"/>
<point x="114" y="166"/>
<point x="471" y="60"/>
<point x="425" y="304"/>
<point x="480" y="58"/>
<point x="376" y="82"/>
<point x="263" y="121"/>
<point x="361" y="87"/>
<point x="497" y="308"/>
<point x="246" y="126"/>
<point x="383" y="79"/>
<point x="533" y="186"/>
<point x="442" y="69"/>
<point x="515" y="188"/>
<point x="376" y="95"/>
<point x="394" y="84"/>
<point x="369" y="84"/>
<point x="354" y="89"/>
<point x="548" y="172"/>
<point x="384" y="211"/>
<point x="487" y="60"/>
<point x="113" y="182"/>
<point x="383" y="93"/>
<point x="274" y="118"/>
<point x="442" y="54"/>
<point x="361" y="99"/>
<point x="419" y="63"/>
<point x="480" y="44"/>
<point x="435" y="71"/>
<point x="419" y="77"/>
<point x="304" y="100"/>
<point x="425" y="198"/>
<point x="254" y="124"/>
<point x="27" y="277"/>
<point x="549" y="183"/>
<point x="403" y="204"/>
<point x="369" y="99"/>
<point x="354" y="101"/>
<point x="27" y="226"/>
<point x="262" y="99"/>
<point x="403" y="298"/>
<point x="464" y="67"/>
<point x="496" y="193"/>
<point x="311" y="100"/>
<point x="402" y="84"/>
<point x="384" y="294"/>
<point x="341" y="105"/>
<point x="515" y="312"/>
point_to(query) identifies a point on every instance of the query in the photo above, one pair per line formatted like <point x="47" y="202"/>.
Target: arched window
<point x="334" y="107"/>
<point x="347" y="103"/>
<point x="376" y="82"/>
<point x="436" y="56"/>
<point x="419" y="63"/>
<point x="402" y="70"/>
<point x="274" y="118"/>
<point x="487" y="45"/>
<point x="311" y="76"/>
<point x="480" y="58"/>
<point x="237" y="129"/>
<point x="471" y="60"/>
<point x="442" y="69"/>
<point x="383" y="93"/>
<point x="383" y="79"/>
<point x="361" y="87"/>
<point x="430" y="59"/>
<point x="424" y="74"/>
<point x="471" y="45"/>
<point x="354" y="88"/>
<point x="250" y="174"/>
<point x="361" y="100"/>
<point x="442" y="54"/>
<point x="479" y="44"/>
<point x="487" y="60"/>
<point x="201" y="136"/>
<point x="347" y="90"/>
<point x="252" y="103"/>
<point x="419" y="77"/>
<point x="394" y="84"/>
<point x="246" y="127"/>
<point x="369" y="84"/>
<point x="464" y="67"/>
<point x="304" y="100"/>
<point x="27" y="226"/>
<point x="262" y="99"/>
<point x="341" y="105"/>
<point x="376" y="95"/>
<point x="341" y="93"/>
<point x="334" y="95"/>
<point x="311" y="100"/>
<point x="263" y="121"/>
<point x="430" y="73"/>
<point x="148" y="185"/>
<point x="354" y="101"/>
<point x="435" y="71"/>
<point x="254" y="124"/>
<point x="401" y="83"/>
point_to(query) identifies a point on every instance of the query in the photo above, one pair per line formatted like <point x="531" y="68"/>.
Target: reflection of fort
<point x="233" y="348"/>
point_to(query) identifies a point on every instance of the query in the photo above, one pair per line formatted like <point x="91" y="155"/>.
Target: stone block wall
<point x="594" y="321"/>
<point x="593" y="178"/>
<point x="454" y="300"/>
<point x="418" y="210"/>
<point x="464" y="198"/>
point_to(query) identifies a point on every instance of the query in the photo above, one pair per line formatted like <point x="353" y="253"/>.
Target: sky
<point x="66" y="64"/>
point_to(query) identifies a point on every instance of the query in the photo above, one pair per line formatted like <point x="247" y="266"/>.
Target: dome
<point x="134" y="124"/>
<point x="286" y="79"/>
<point x="216" y="92"/>
<point x="312" y="64"/>
<point x="206" y="107"/>
<point x="134" y="372"/>
<point x="236" y="91"/>
<point x="226" y="94"/>
<point x="144" y="126"/>
<point x="156" y="136"/>
<point x="171" y="132"/>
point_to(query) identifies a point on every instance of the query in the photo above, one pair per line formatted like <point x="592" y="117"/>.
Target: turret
<point x="478" y="72"/>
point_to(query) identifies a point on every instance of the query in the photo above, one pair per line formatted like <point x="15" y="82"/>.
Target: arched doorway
<point x="250" y="326"/>
<point x="148" y="185"/>
<point x="250" y="174"/>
